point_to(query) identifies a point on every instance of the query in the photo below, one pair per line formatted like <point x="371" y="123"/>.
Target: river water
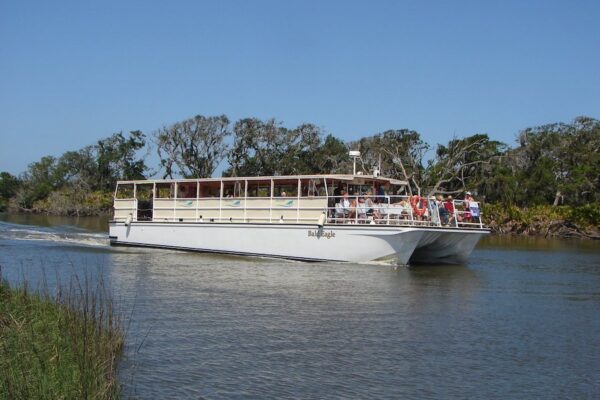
<point x="520" y="320"/>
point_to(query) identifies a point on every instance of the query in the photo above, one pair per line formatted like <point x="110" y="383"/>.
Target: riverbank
<point x="68" y="203"/>
<point x="547" y="221"/>
<point x="57" y="347"/>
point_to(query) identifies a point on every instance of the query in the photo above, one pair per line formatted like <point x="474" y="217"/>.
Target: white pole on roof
<point x="354" y="154"/>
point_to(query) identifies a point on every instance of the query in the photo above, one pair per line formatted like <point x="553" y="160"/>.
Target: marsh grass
<point x="59" y="346"/>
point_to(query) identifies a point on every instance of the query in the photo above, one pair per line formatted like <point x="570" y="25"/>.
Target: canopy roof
<point x="348" y="178"/>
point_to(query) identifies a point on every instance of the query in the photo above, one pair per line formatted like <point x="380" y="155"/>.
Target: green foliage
<point x="464" y="164"/>
<point x="193" y="148"/>
<point x="267" y="148"/>
<point x="9" y="186"/>
<point x="399" y="153"/>
<point x="41" y="178"/>
<point x="93" y="168"/>
<point x="70" y="201"/>
<point x="560" y="163"/>
<point x="540" y="218"/>
<point x="58" y="348"/>
<point x="585" y="215"/>
<point x="116" y="158"/>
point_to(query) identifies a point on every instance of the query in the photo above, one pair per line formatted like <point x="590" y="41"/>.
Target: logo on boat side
<point x="320" y="233"/>
<point x="284" y="203"/>
<point x="233" y="203"/>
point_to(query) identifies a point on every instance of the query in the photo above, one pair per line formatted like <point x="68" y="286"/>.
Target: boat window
<point x="144" y="192"/>
<point x="165" y="190"/>
<point x="285" y="188"/>
<point x="210" y="189"/>
<point x="312" y="188"/>
<point x="125" y="191"/>
<point x="397" y="193"/>
<point x="335" y="187"/>
<point x="233" y="189"/>
<point x="186" y="190"/>
<point x="259" y="188"/>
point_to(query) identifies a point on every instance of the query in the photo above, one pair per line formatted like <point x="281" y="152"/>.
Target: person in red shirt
<point x="449" y="206"/>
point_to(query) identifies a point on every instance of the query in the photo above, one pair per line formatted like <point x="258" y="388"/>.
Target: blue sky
<point x="74" y="72"/>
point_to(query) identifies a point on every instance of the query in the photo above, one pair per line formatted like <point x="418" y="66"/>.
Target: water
<point x="520" y="320"/>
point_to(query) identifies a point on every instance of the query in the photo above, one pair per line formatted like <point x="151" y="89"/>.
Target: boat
<point x="336" y="217"/>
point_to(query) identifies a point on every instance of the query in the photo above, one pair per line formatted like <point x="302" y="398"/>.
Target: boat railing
<point x="398" y="210"/>
<point x="401" y="210"/>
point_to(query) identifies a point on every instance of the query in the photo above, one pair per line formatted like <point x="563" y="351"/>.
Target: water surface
<point x="520" y="320"/>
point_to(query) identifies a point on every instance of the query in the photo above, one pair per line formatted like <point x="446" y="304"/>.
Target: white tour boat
<point x="355" y="218"/>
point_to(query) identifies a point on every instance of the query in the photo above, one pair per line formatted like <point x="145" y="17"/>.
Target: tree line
<point x="554" y="164"/>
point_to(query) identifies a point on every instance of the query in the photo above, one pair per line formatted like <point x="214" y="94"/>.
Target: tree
<point x="80" y="168"/>
<point x="400" y="153"/>
<point x="193" y="148"/>
<point x="267" y="148"/>
<point x="331" y="157"/>
<point x="560" y="162"/>
<point x="463" y="164"/>
<point x="9" y="185"/>
<point x="39" y="180"/>
<point x="116" y="158"/>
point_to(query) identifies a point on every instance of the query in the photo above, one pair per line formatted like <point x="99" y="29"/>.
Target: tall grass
<point x="60" y="346"/>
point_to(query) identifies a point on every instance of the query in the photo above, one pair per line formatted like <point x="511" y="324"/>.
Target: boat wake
<point x="61" y="234"/>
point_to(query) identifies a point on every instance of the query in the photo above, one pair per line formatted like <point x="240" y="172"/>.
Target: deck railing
<point x="375" y="210"/>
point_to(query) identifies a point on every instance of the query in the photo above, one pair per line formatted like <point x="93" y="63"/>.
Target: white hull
<point x="356" y="243"/>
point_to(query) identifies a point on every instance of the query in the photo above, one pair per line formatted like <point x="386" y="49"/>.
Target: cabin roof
<point x="342" y="177"/>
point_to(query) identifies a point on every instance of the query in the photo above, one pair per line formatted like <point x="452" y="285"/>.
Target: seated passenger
<point x="372" y="208"/>
<point x="343" y="209"/>
<point x="361" y="209"/>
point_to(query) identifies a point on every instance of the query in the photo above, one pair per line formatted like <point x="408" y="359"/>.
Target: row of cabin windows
<point x="189" y="190"/>
<point x="213" y="189"/>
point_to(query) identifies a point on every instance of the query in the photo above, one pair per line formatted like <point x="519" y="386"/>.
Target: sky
<point x="74" y="72"/>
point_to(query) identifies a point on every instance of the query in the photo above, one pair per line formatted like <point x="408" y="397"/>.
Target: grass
<point x="62" y="346"/>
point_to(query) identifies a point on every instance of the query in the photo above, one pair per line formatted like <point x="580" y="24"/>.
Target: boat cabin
<point x="303" y="199"/>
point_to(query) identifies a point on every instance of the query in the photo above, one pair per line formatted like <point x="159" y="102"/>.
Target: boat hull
<point x="355" y="243"/>
<point x="450" y="246"/>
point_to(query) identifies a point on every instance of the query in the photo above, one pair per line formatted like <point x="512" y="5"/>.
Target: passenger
<point x="379" y="192"/>
<point x="403" y="209"/>
<point x="439" y="202"/>
<point x="419" y="209"/>
<point x="361" y="209"/>
<point x="345" y="205"/>
<point x="371" y="206"/>
<point x="449" y="206"/>
<point x="467" y="216"/>
<point x="474" y="209"/>
<point x="283" y="194"/>
<point x="335" y="199"/>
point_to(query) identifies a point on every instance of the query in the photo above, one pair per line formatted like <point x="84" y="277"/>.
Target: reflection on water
<point x="520" y="320"/>
<point x="537" y="243"/>
<point x="93" y="224"/>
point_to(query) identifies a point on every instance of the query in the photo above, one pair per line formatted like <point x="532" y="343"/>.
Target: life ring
<point x="419" y="205"/>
